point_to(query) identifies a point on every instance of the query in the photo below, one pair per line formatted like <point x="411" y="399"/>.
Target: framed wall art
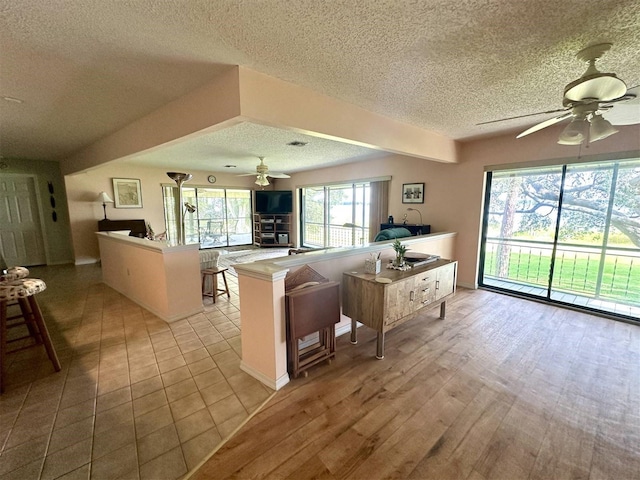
<point x="127" y="193"/>
<point x="413" y="193"/>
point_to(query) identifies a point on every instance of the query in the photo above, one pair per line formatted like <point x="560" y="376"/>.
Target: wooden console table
<point x="383" y="306"/>
<point x="412" y="227"/>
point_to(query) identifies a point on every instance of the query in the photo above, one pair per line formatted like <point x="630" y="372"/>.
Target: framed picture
<point x="127" y="193"/>
<point x="413" y="193"/>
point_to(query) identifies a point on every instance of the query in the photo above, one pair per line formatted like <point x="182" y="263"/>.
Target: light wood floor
<point x="503" y="388"/>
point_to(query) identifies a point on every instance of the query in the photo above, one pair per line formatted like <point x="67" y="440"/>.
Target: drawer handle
<point x="424" y="302"/>
<point x="425" y="279"/>
<point x="411" y="296"/>
<point x="437" y="284"/>
<point x="425" y="289"/>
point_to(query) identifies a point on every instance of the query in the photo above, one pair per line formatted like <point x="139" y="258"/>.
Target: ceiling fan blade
<point x="624" y="113"/>
<point x="246" y="174"/>
<point x="277" y="175"/>
<point x="545" y="124"/>
<point x="523" y="116"/>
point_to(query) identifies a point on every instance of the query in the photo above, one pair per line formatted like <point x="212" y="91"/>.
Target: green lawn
<point x="574" y="273"/>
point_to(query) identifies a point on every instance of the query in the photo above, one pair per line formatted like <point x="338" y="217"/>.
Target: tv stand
<point x="272" y="230"/>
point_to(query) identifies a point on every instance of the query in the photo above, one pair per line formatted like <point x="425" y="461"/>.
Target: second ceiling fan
<point x="262" y="172"/>
<point x="584" y="102"/>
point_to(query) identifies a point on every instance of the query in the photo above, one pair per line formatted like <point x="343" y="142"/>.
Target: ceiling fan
<point x="262" y="172"/>
<point x="584" y="102"/>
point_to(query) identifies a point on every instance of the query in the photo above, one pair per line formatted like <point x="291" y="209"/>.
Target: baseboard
<point x="61" y="262"/>
<point x="86" y="261"/>
<point x="343" y="330"/>
<point x="276" y="384"/>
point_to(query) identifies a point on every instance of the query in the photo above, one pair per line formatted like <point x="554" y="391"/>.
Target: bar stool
<point x="22" y="291"/>
<point x="215" y="291"/>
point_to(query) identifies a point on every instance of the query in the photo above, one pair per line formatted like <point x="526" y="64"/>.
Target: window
<point x="568" y="234"/>
<point x="335" y="215"/>
<point x="222" y="217"/>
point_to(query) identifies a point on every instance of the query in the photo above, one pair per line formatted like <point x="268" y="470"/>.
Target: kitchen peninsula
<point x="162" y="278"/>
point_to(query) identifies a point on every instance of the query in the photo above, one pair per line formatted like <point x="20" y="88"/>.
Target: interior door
<point x="21" y="240"/>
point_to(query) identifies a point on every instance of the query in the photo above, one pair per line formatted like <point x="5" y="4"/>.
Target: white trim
<point x="343" y="330"/>
<point x="86" y="261"/>
<point x="273" y="269"/>
<point x="276" y="384"/>
<point x="262" y="271"/>
<point x="160" y="247"/>
<point x="61" y="262"/>
<point x="45" y="238"/>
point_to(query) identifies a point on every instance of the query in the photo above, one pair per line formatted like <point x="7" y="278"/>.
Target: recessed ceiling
<point x="87" y="68"/>
<point x="242" y="144"/>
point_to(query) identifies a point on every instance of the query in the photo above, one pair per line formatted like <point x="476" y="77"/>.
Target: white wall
<point x="454" y="192"/>
<point x="85" y="211"/>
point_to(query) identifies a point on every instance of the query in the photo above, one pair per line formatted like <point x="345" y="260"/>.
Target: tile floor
<point x="136" y="398"/>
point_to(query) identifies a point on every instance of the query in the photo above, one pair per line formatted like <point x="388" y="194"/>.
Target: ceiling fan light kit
<point x="262" y="180"/>
<point x="262" y="174"/>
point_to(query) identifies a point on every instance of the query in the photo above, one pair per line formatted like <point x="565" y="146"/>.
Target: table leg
<point x="380" y="346"/>
<point x="354" y="331"/>
<point x="443" y="310"/>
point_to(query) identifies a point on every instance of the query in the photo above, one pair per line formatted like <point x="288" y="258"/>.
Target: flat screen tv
<point x="274" y="201"/>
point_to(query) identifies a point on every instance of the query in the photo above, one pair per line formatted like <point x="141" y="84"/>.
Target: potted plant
<point x="400" y="250"/>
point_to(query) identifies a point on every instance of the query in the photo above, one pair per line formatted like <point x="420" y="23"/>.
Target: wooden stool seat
<point x="23" y="291"/>
<point x="215" y="291"/>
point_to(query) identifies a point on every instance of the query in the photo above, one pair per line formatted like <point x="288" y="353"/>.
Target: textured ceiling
<point x="242" y="144"/>
<point x="86" y="68"/>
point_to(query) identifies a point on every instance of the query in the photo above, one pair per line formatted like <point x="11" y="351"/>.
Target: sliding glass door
<point x="335" y="215"/>
<point x="520" y="229"/>
<point x="568" y="234"/>
<point x="222" y="217"/>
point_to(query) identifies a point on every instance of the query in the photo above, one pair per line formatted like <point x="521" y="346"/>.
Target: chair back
<point x="209" y="258"/>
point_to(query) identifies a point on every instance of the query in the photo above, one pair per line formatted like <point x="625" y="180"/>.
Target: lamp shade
<point x="600" y="128"/>
<point x="103" y="197"/>
<point x="575" y="132"/>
